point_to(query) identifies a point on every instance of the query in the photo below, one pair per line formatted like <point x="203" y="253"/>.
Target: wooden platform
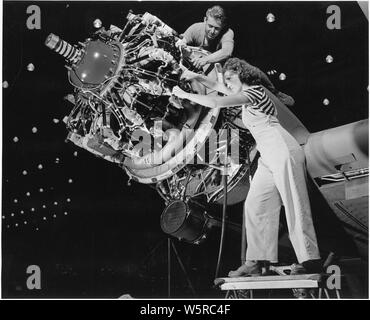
<point x="270" y="282"/>
<point x="302" y="286"/>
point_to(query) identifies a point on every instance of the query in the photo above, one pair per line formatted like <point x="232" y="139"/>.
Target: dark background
<point x="110" y="243"/>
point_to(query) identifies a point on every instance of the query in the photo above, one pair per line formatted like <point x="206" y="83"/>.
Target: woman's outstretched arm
<point x="206" y="81"/>
<point x="212" y="101"/>
<point x="213" y="85"/>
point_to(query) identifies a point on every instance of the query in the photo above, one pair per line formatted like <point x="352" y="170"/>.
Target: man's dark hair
<point x="217" y="13"/>
<point x="247" y="73"/>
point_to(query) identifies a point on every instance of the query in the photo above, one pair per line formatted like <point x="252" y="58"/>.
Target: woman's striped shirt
<point x="260" y="101"/>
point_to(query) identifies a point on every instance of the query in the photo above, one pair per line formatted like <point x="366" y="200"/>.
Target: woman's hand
<point x="187" y="74"/>
<point x="176" y="91"/>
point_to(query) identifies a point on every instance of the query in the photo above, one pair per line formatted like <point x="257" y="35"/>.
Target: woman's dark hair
<point x="247" y="73"/>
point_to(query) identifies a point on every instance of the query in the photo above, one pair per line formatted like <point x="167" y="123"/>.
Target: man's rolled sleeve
<point x="189" y="34"/>
<point x="227" y="41"/>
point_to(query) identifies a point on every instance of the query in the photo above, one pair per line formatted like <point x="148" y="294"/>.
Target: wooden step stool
<point x="305" y="285"/>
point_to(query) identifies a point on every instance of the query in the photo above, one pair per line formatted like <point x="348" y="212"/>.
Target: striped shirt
<point x="260" y="101"/>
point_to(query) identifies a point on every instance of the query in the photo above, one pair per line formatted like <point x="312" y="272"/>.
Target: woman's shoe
<point x="249" y="268"/>
<point x="297" y="269"/>
<point x="307" y="267"/>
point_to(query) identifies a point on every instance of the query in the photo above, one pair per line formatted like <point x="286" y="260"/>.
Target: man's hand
<point x="178" y="92"/>
<point x="199" y="62"/>
<point x="180" y="43"/>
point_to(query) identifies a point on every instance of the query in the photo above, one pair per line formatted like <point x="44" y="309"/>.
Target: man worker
<point x="212" y="35"/>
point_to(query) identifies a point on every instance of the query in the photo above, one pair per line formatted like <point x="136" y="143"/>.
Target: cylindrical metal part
<point x="331" y="150"/>
<point x="185" y="221"/>
<point x="62" y="47"/>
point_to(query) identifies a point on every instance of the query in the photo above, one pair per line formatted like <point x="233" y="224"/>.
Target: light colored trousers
<point x="280" y="179"/>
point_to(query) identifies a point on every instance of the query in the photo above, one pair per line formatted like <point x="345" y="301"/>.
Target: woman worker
<point x="280" y="176"/>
